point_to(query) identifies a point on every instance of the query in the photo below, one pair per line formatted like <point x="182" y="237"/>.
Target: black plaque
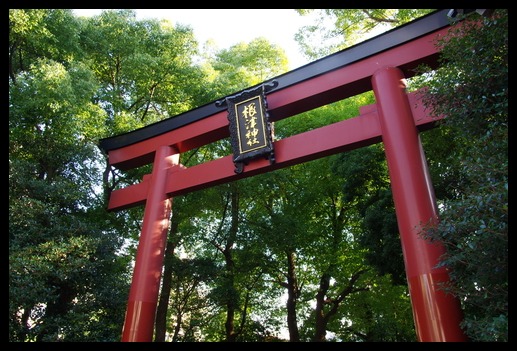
<point x="250" y="129"/>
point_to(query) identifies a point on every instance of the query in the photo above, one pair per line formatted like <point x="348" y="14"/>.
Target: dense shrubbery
<point x="471" y="89"/>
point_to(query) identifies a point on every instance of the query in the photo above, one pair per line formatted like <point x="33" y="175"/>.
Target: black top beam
<point x="392" y="38"/>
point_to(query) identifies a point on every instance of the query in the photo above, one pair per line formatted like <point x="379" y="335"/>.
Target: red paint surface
<point x="332" y="86"/>
<point x="437" y="318"/>
<point x="394" y="120"/>
<point x="437" y="315"/>
<point x="342" y="136"/>
<point x="138" y="315"/>
<point x="143" y="295"/>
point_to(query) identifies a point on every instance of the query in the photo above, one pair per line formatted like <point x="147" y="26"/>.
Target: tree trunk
<point x="163" y="302"/>
<point x="292" y="298"/>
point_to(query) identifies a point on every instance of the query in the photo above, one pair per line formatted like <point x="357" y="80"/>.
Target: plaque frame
<point x="251" y="131"/>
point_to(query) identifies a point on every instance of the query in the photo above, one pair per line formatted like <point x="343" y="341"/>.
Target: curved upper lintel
<point x="376" y="45"/>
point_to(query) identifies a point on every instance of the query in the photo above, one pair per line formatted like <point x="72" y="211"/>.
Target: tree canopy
<point x="315" y="257"/>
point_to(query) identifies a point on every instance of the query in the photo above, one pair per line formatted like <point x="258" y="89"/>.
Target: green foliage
<point x="68" y="280"/>
<point x="139" y="65"/>
<point x="244" y="65"/>
<point x="59" y="256"/>
<point x="367" y="317"/>
<point x="471" y="89"/>
<point x="37" y="33"/>
<point x="309" y="228"/>
<point x="337" y="29"/>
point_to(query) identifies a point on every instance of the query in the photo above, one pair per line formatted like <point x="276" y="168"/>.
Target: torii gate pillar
<point x="143" y="295"/>
<point x="394" y="120"/>
<point x="437" y="315"/>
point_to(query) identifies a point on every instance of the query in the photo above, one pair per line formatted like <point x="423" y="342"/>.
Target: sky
<point x="227" y="27"/>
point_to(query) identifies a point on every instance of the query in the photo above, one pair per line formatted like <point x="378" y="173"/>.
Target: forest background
<point x="307" y="253"/>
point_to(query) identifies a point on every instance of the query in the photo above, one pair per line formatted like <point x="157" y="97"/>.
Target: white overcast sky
<point x="227" y="27"/>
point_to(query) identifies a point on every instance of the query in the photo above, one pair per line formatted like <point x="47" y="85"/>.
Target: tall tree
<point x="471" y="90"/>
<point x="306" y="218"/>
<point x="244" y="65"/>
<point x="66" y="281"/>
<point x="86" y="78"/>
<point x="367" y="184"/>
<point x="337" y="29"/>
<point x="472" y="193"/>
<point x="309" y="236"/>
<point x="230" y="70"/>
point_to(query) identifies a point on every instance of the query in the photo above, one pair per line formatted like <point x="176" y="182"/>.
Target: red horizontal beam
<point x="332" y="86"/>
<point x="338" y="137"/>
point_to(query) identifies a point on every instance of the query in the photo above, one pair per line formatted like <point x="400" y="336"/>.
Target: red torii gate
<point x="380" y="64"/>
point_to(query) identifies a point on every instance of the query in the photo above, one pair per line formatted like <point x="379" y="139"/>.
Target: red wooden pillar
<point x="437" y="315"/>
<point x="143" y="295"/>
